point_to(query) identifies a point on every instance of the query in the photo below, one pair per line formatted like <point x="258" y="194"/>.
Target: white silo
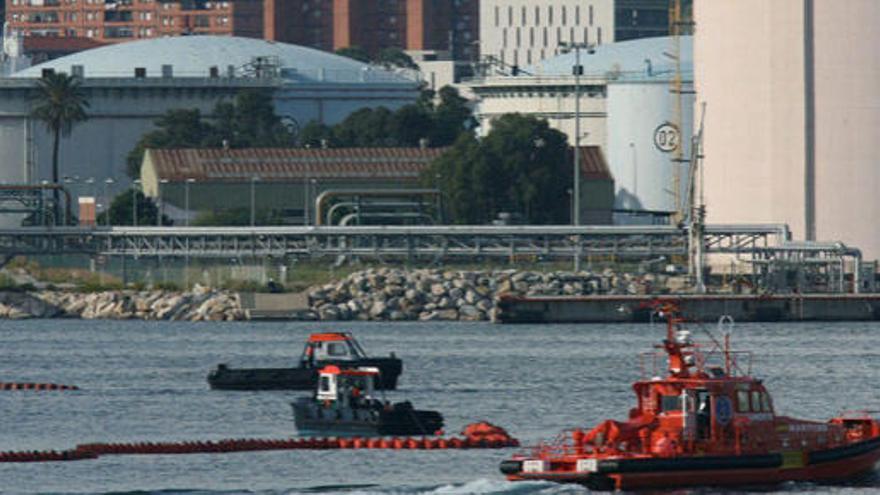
<point x="647" y="138"/>
<point x="791" y="88"/>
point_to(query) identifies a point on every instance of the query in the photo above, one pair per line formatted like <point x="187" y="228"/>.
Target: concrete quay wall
<point x="636" y="308"/>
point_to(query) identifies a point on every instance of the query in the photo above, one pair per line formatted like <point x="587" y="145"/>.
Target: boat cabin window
<point x="742" y="401"/>
<point x="337" y="349"/>
<point x="325" y="384"/>
<point x="670" y="403"/>
<point x="756" y="401"/>
<point x="766" y="406"/>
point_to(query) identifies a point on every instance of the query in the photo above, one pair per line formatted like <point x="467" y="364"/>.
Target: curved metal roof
<point x="194" y="56"/>
<point x="640" y="59"/>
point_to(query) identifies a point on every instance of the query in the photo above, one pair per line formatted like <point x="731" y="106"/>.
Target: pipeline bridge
<point x="390" y="242"/>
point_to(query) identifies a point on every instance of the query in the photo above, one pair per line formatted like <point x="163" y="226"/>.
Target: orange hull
<point x="844" y="468"/>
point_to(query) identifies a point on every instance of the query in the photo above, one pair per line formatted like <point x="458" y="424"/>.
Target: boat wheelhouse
<point x="321" y="349"/>
<point x="345" y="403"/>
<point x="703" y="420"/>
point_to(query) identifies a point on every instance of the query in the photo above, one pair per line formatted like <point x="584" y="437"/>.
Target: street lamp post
<point x="254" y="180"/>
<point x="161" y="209"/>
<point x="186" y="200"/>
<point x="632" y="146"/>
<point x="577" y="71"/>
<point x="107" y="183"/>
<point x="134" y="204"/>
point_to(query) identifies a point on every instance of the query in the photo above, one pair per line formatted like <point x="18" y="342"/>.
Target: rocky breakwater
<point x="198" y="304"/>
<point x="426" y="295"/>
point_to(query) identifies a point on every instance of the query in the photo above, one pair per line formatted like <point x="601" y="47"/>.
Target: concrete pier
<point x="624" y="309"/>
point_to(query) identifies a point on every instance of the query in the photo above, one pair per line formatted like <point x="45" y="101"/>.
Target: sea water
<point x="145" y="382"/>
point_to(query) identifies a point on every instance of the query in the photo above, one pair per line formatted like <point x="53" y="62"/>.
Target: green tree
<point x="315" y="135"/>
<point x="355" y="53"/>
<point x="367" y="127"/>
<point x="237" y="216"/>
<point x="521" y="167"/>
<point x="410" y="124"/>
<point x="250" y="122"/>
<point x="247" y="121"/>
<point x="441" y="124"/>
<point x="460" y="174"/>
<point x="395" y="57"/>
<point x="60" y="103"/>
<point x="532" y="164"/>
<point x="452" y="116"/>
<point x="178" y="128"/>
<point x="121" y="210"/>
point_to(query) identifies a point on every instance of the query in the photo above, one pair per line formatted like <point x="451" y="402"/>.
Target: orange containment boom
<point x="35" y="386"/>
<point x="475" y="436"/>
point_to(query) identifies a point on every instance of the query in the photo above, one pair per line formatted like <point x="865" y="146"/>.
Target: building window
<point x="577" y="15"/>
<point x="586" y="35"/>
<point x="531" y="37"/>
<point x="529" y="57"/>
<point x="523" y="15"/>
<point x="497" y="16"/>
<point x="564" y="16"/>
<point x="504" y="37"/>
<point x="550" y="14"/>
<point x="518" y="38"/>
<point x="599" y="35"/>
<point x="510" y="16"/>
<point x="571" y="37"/>
<point x="558" y="35"/>
<point x="591" y="15"/>
<point x="537" y="15"/>
<point x="545" y="39"/>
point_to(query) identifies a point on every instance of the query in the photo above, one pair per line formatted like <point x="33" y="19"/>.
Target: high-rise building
<point x="649" y="18"/>
<point x="524" y="32"/>
<point x="124" y="20"/>
<point x="446" y="25"/>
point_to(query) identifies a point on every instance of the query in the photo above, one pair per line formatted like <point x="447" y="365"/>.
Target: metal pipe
<point x="350" y="216"/>
<point x="358" y="204"/>
<point x="330" y="193"/>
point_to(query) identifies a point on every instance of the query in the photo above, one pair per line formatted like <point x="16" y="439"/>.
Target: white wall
<point x="749" y="69"/>
<point x="524" y="32"/>
<point x="645" y="174"/>
<point x="526" y="95"/>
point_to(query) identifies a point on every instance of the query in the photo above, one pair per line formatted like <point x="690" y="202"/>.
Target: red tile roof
<point x="291" y="164"/>
<point x="593" y="164"/>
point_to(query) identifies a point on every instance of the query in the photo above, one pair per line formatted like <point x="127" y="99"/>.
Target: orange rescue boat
<point x="708" y="422"/>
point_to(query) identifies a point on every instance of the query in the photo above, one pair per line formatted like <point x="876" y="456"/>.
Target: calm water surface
<point x="145" y="381"/>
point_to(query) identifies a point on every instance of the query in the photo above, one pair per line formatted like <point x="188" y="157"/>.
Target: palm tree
<point x="60" y="103"/>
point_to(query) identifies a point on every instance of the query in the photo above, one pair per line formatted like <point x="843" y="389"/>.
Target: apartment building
<point x="124" y="20"/>
<point x="421" y="25"/>
<point x="524" y="32"/>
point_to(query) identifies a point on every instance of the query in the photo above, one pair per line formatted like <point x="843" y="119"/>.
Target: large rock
<point x="378" y="309"/>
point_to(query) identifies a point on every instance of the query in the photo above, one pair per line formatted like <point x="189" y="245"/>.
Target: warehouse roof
<point x="195" y="56"/>
<point x="593" y="164"/>
<point x="289" y="164"/>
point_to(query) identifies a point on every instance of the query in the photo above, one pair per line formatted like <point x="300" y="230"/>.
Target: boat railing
<point x="873" y="414"/>
<point x="706" y="359"/>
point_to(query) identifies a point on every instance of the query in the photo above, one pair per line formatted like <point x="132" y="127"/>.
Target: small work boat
<point x="708" y="422"/>
<point x="345" y="403"/>
<point x="322" y="349"/>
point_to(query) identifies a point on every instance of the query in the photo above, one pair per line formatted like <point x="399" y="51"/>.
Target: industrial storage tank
<point x="649" y="129"/>
<point x="791" y="88"/>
